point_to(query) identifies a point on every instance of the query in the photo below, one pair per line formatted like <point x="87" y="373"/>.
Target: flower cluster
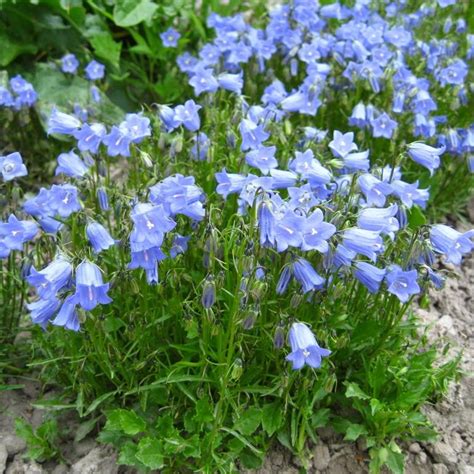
<point x="21" y="94"/>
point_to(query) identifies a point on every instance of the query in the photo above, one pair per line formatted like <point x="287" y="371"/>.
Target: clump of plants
<point x="241" y="267"/>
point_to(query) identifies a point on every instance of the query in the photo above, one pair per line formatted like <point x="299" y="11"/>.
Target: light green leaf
<point x="150" y="452"/>
<point x="354" y="430"/>
<point x="125" y="420"/>
<point x="133" y="12"/>
<point x="354" y="391"/>
<point x="396" y="462"/>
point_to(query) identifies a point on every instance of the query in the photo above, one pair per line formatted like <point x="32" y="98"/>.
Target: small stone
<point x="440" y="469"/>
<point x="414" y="448"/>
<point x="18" y="466"/>
<point x="443" y="453"/>
<point x="321" y="457"/>
<point x="3" y="458"/>
<point x="446" y="324"/>
<point x="277" y="459"/>
<point x="60" y="469"/>
<point x="99" y="460"/>
<point x="421" y="458"/>
<point x="14" y="444"/>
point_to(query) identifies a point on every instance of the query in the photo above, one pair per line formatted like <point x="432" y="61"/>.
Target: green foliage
<point x="42" y="443"/>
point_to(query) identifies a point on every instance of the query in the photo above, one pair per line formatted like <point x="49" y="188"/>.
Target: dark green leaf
<point x="272" y="417"/>
<point x="249" y="421"/>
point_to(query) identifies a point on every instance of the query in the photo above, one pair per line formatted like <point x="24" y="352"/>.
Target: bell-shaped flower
<point x="52" y="278"/>
<point x="99" y="237"/>
<point x="451" y="243"/>
<point x="369" y="275"/>
<point x="402" y="283"/>
<point x="12" y="166"/>
<point x="90" y="287"/>
<point x="304" y="348"/>
<point x="71" y="165"/>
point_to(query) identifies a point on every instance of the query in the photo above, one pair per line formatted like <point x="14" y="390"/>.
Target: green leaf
<point x="84" y="429"/>
<point x="55" y="89"/>
<point x="203" y="411"/>
<point x="112" y="324"/>
<point x="125" y="420"/>
<point x="320" y="418"/>
<point x="133" y="12"/>
<point x="249" y="421"/>
<point x="354" y="430"/>
<point x="106" y="48"/>
<point x="375" y="406"/>
<point x="354" y="391"/>
<point x="128" y="454"/>
<point x="250" y="460"/>
<point x="272" y="417"/>
<point x="416" y="217"/>
<point x="10" y="49"/>
<point x="150" y="452"/>
<point x="396" y="462"/>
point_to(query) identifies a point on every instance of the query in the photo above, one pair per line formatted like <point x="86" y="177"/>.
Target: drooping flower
<point x="304" y="348"/>
<point x="381" y="220"/>
<point x="42" y="310"/>
<point x="71" y="165"/>
<point x="364" y="242"/>
<point x="52" y="278"/>
<point x="90" y="287"/>
<point x="99" y="237"/>
<point x="369" y="275"/>
<point x="67" y="315"/>
<point x="401" y="283"/>
<point x="12" y="166"/>
<point x="426" y="155"/>
<point x="135" y="127"/>
<point x="89" y="137"/>
<point x="253" y="135"/>
<point x="451" y="243"/>
<point x="64" y="124"/>
<point x="305" y="274"/>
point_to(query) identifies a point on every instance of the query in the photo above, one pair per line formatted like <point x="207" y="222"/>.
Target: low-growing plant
<point x="239" y="270"/>
<point x="42" y="442"/>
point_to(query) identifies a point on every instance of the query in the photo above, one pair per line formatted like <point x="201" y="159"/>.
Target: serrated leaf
<point x="127" y="455"/>
<point x="272" y="418"/>
<point x="130" y="422"/>
<point x="354" y="391"/>
<point x="133" y="12"/>
<point x="396" y="462"/>
<point x="150" y="452"/>
<point x="248" y="422"/>
<point x="203" y="411"/>
<point x="354" y="430"/>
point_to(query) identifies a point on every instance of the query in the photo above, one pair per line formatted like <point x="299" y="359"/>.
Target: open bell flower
<point x="304" y="348"/>
<point x="90" y="287"/>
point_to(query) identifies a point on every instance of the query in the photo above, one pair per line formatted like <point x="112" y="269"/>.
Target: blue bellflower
<point x="12" y="166"/>
<point x="99" y="237"/>
<point x="426" y="155"/>
<point x="451" y="243"/>
<point x="401" y="283"/>
<point x="90" y="288"/>
<point x="52" y="278"/>
<point x="71" y="165"/>
<point x="94" y="71"/>
<point x="304" y="348"/>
